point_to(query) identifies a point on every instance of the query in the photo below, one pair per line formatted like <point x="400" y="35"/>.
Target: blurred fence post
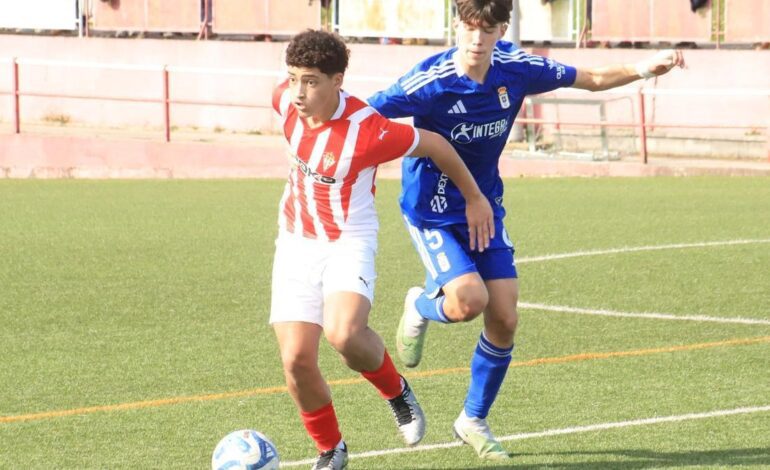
<point x="642" y="126"/>
<point x="767" y="133"/>
<point x="513" y="34"/>
<point x="205" y="23"/>
<point x="166" y="104"/>
<point x="16" y="110"/>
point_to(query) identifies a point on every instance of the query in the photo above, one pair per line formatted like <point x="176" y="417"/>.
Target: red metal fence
<point x="166" y="102"/>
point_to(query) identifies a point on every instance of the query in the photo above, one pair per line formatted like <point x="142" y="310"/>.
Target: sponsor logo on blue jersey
<point x="438" y="203"/>
<point x="560" y="69"/>
<point x="465" y="133"/>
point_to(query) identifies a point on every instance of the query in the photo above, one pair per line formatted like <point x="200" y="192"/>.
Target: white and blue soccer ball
<point x="245" y="450"/>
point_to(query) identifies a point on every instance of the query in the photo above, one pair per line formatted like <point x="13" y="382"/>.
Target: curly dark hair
<point x="318" y="49"/>
<point x="492" y="12"/>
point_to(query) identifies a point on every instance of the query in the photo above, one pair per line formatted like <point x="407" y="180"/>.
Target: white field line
<point x="553" y="432"/>
<point x="633" y="249"/>
<point x="656" y="316"/>
<point x="652" y="315"/>
<point x="601" y="426"/>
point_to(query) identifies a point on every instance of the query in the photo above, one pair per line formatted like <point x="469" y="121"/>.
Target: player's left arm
<point x="604" y="78"/>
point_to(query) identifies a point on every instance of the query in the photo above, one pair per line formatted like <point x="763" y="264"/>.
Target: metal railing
<point x="164" y="95"/>
<point x="166" y="101"/>
<point x="641" y="122"/>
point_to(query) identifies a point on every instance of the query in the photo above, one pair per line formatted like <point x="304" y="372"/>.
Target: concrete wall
<point x="372" y="67"/>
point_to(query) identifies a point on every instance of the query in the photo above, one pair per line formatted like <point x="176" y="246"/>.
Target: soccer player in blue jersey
<point x="470" y="94"/>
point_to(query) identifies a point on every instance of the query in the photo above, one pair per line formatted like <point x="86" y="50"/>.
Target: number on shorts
<point x="434" y="238"/>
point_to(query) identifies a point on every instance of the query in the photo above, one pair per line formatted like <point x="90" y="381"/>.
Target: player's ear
<point x="337" y="79"/>
<point x="503" y="29"/>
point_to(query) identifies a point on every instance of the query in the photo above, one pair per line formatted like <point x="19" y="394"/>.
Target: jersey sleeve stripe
<point x="516" y="53"/>
<point x="357" y="117"/>
<point x="428" y="80"/>
<point x="505" y="58"/>
<point x="522" y="61"/>
<point x="433" y="70"/>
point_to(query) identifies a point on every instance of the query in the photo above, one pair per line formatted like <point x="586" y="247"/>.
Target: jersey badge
<point x="328" y="160"/>
<point x="502" y="94"/>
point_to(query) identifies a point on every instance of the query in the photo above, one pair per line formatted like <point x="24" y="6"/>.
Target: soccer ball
<point x="245" y="450"/>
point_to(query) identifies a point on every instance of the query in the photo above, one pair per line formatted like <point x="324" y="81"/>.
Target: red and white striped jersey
<point x="330" y="191"/>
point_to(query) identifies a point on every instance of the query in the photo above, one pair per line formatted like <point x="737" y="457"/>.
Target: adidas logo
<point x="458" y="108"/>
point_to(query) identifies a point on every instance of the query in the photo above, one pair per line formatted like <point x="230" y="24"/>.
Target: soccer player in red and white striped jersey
<point x="323" y="272"/>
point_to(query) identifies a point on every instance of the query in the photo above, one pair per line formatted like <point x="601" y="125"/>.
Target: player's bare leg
<point x="489" y="367"/>
<point x="501" y="316"/>
<point x="464" y="299"/>
<point x="298" y="343"/>
<point x="346" y="327"/>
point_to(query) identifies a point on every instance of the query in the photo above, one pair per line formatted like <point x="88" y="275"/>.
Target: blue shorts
<point x="445" y="253"/>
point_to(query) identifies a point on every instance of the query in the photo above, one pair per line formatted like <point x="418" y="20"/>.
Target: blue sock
<point x="432" y="309"/>
<point x="488" y="368"/>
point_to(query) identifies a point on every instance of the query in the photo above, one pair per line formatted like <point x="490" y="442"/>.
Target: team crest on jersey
<point x="502" y="93"/>
<point x="328" y="160"/>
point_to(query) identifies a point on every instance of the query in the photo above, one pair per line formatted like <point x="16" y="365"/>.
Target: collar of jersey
<point x="340" y="107"/>
<point x="464" y="80"/>
<point x="337" y="115"/>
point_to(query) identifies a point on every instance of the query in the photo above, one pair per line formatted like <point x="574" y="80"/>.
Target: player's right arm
<point x="478" y="211"/>
<point x="281" y="98"/>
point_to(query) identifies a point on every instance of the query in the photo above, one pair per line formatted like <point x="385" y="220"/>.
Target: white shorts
<point x="306" y="271"/>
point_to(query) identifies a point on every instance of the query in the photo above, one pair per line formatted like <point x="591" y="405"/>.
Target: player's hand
<point x="660" y="63"/>
<point x="481" y="222"/>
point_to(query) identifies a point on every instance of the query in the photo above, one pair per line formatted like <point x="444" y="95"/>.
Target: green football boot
<point x="476" y="433"/>
<point x="410" y="336"/>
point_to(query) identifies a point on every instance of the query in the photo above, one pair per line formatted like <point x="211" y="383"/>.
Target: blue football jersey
<point x="475" y="118"/>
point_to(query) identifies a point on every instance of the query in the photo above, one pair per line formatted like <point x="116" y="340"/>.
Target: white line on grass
<point x="632" y="249"/>
<point x="553" y="432"/>
<point x="657" y="316"/>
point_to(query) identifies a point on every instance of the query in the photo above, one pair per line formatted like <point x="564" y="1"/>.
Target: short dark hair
<point x="491" y="12"/>
<point x="318" y="49"/>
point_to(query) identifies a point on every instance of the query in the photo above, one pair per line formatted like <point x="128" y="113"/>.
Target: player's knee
<point x="509" y="323"/>
<point x="299" y="365"/>
<point x="342" y="339"/>
<point x="504" y="325"/>
<point x="471" y="303"/>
